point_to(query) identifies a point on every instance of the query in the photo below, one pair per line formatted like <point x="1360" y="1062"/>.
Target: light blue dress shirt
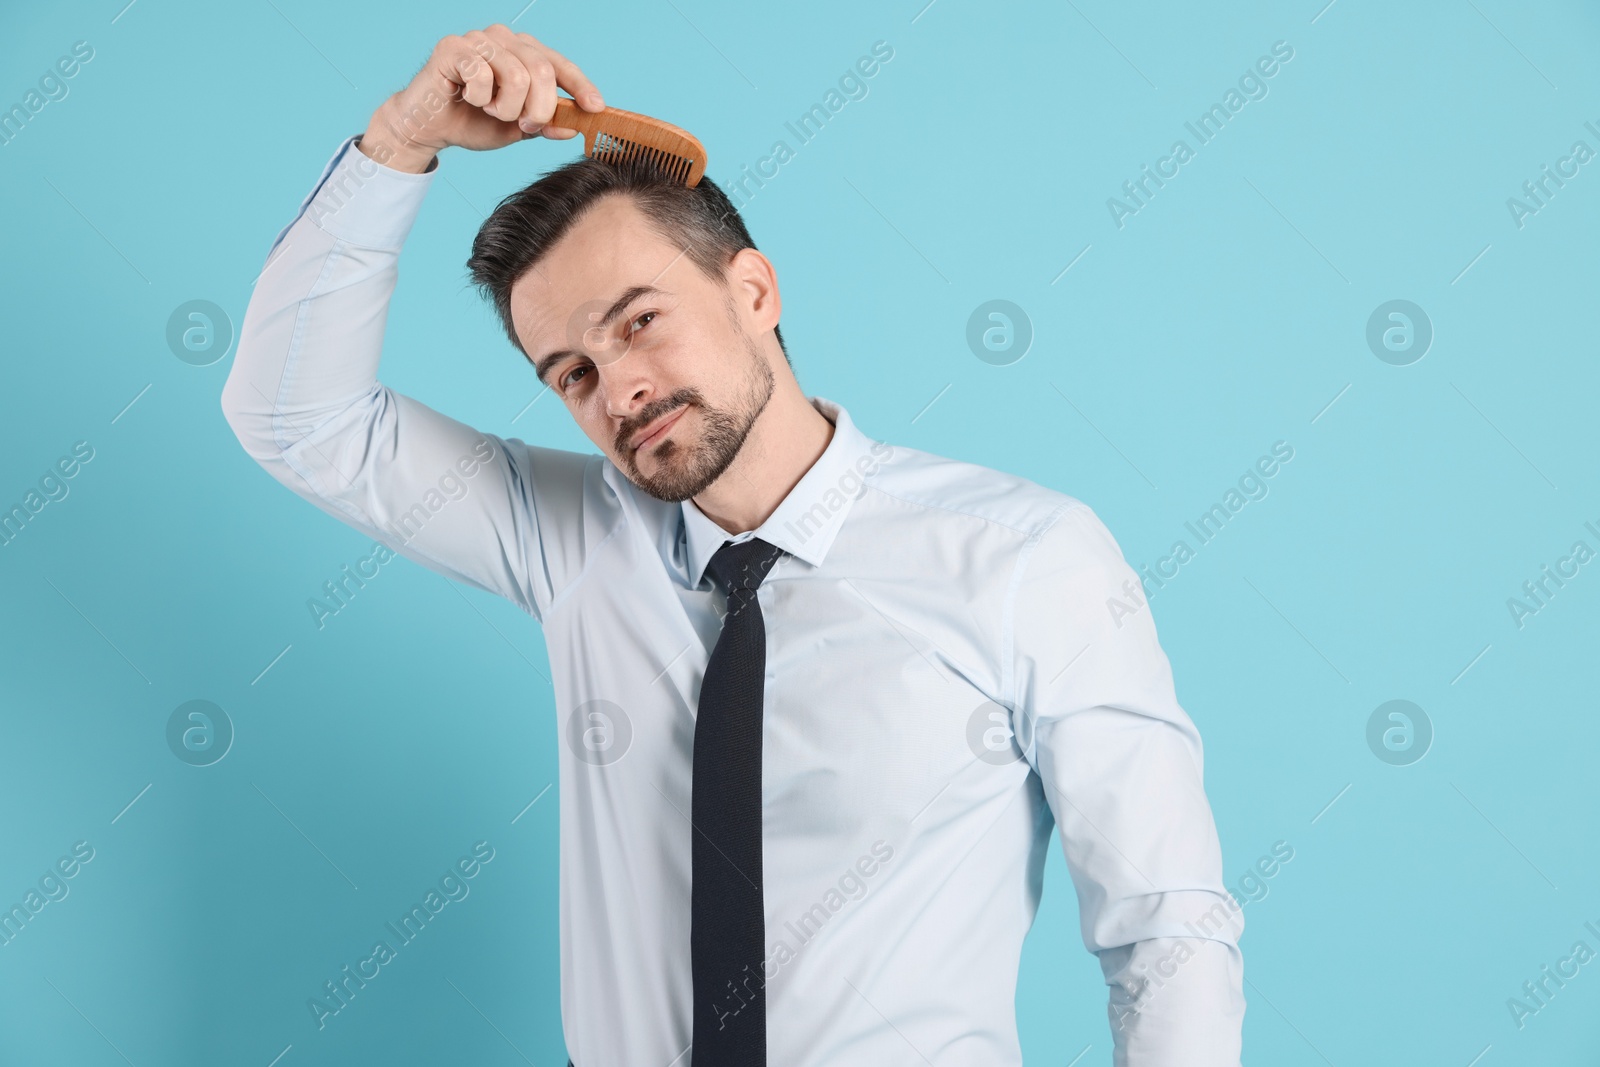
<point x="946" y="679"/>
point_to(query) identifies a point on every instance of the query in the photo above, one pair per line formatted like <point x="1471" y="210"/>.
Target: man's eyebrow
<point x="543" y="365"/>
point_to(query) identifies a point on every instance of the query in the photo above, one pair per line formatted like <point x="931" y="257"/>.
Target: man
<point x="822" y="699"/>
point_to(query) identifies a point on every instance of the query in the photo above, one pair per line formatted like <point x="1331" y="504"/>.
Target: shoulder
<point x="955" y="491"/>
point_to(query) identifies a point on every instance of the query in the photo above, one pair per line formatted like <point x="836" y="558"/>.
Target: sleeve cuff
<point x="361" y="201"/>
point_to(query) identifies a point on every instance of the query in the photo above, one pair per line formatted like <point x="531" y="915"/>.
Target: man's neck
<point x="786" y="439"/>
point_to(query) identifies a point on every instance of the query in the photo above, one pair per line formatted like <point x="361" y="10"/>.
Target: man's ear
<point x="755" y="288"/>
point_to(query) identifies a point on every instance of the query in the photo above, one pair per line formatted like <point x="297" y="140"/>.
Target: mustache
<point x="652" y="412"/>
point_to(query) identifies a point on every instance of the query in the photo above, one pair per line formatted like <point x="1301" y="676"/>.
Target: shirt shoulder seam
<point x="559" y="599"/>
<point x="1008" y="679"/>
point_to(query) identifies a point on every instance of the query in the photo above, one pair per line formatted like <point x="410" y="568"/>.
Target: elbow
<point x="233" y="412"/>
<point x="247" y="412"/>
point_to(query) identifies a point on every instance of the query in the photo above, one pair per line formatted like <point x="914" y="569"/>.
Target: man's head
<point x="640" y="302"/>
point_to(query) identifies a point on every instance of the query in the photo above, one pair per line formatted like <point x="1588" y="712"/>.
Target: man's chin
<point x="691" y="457"/>
<point x="660" y="472"/>
<point x="663" y="456"/>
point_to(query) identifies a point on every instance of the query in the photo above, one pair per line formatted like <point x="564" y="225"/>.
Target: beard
<point x="686" y="470"/>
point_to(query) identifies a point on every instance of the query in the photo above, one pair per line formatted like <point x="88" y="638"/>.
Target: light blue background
<point x="1225" y="316"/>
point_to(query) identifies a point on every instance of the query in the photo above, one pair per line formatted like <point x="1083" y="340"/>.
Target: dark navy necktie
<point x="727" y="933"/>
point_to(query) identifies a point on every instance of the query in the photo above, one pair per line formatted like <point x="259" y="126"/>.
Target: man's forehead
<point x="611" y="248"/>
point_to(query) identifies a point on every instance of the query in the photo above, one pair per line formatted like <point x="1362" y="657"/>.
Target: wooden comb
<point x="615" y="135"/>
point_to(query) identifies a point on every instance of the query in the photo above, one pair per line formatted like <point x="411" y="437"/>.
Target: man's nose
<point x="627" y="387"/>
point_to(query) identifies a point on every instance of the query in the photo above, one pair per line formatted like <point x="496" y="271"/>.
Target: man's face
<point x="655" y="360"/>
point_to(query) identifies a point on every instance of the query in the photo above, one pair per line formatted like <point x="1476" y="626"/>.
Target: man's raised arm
<point x="303" y="395"/>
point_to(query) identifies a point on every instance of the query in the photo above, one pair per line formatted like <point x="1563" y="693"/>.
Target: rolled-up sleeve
<point x="304" y="400"/>
<point x="1122" y="770"/>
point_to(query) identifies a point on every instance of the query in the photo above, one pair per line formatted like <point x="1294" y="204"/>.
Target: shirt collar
<point x="809" y="518"/>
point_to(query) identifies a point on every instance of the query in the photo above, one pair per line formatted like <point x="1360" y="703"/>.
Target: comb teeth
<point x="613" y="149"/>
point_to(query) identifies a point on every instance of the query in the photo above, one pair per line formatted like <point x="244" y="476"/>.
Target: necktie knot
<point x="743" y="566"/>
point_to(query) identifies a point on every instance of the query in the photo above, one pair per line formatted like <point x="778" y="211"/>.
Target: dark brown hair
<point x="527" y="224"/>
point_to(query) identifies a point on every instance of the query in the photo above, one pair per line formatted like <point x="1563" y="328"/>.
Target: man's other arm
<point x="1121" y="766"/>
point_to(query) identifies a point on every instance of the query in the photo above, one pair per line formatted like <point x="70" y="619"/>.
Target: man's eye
<point x="643" y="319"/>
<point x="566" y="378"/>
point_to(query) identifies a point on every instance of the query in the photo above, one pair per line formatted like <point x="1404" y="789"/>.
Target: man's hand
<point x="480" y="90"/>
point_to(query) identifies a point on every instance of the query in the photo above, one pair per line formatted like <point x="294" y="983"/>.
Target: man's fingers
<point x="462" y="65"/>
<point x="540" y="102"/>
<point x="514" y="80"/>
<point x="510" y="77"/>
